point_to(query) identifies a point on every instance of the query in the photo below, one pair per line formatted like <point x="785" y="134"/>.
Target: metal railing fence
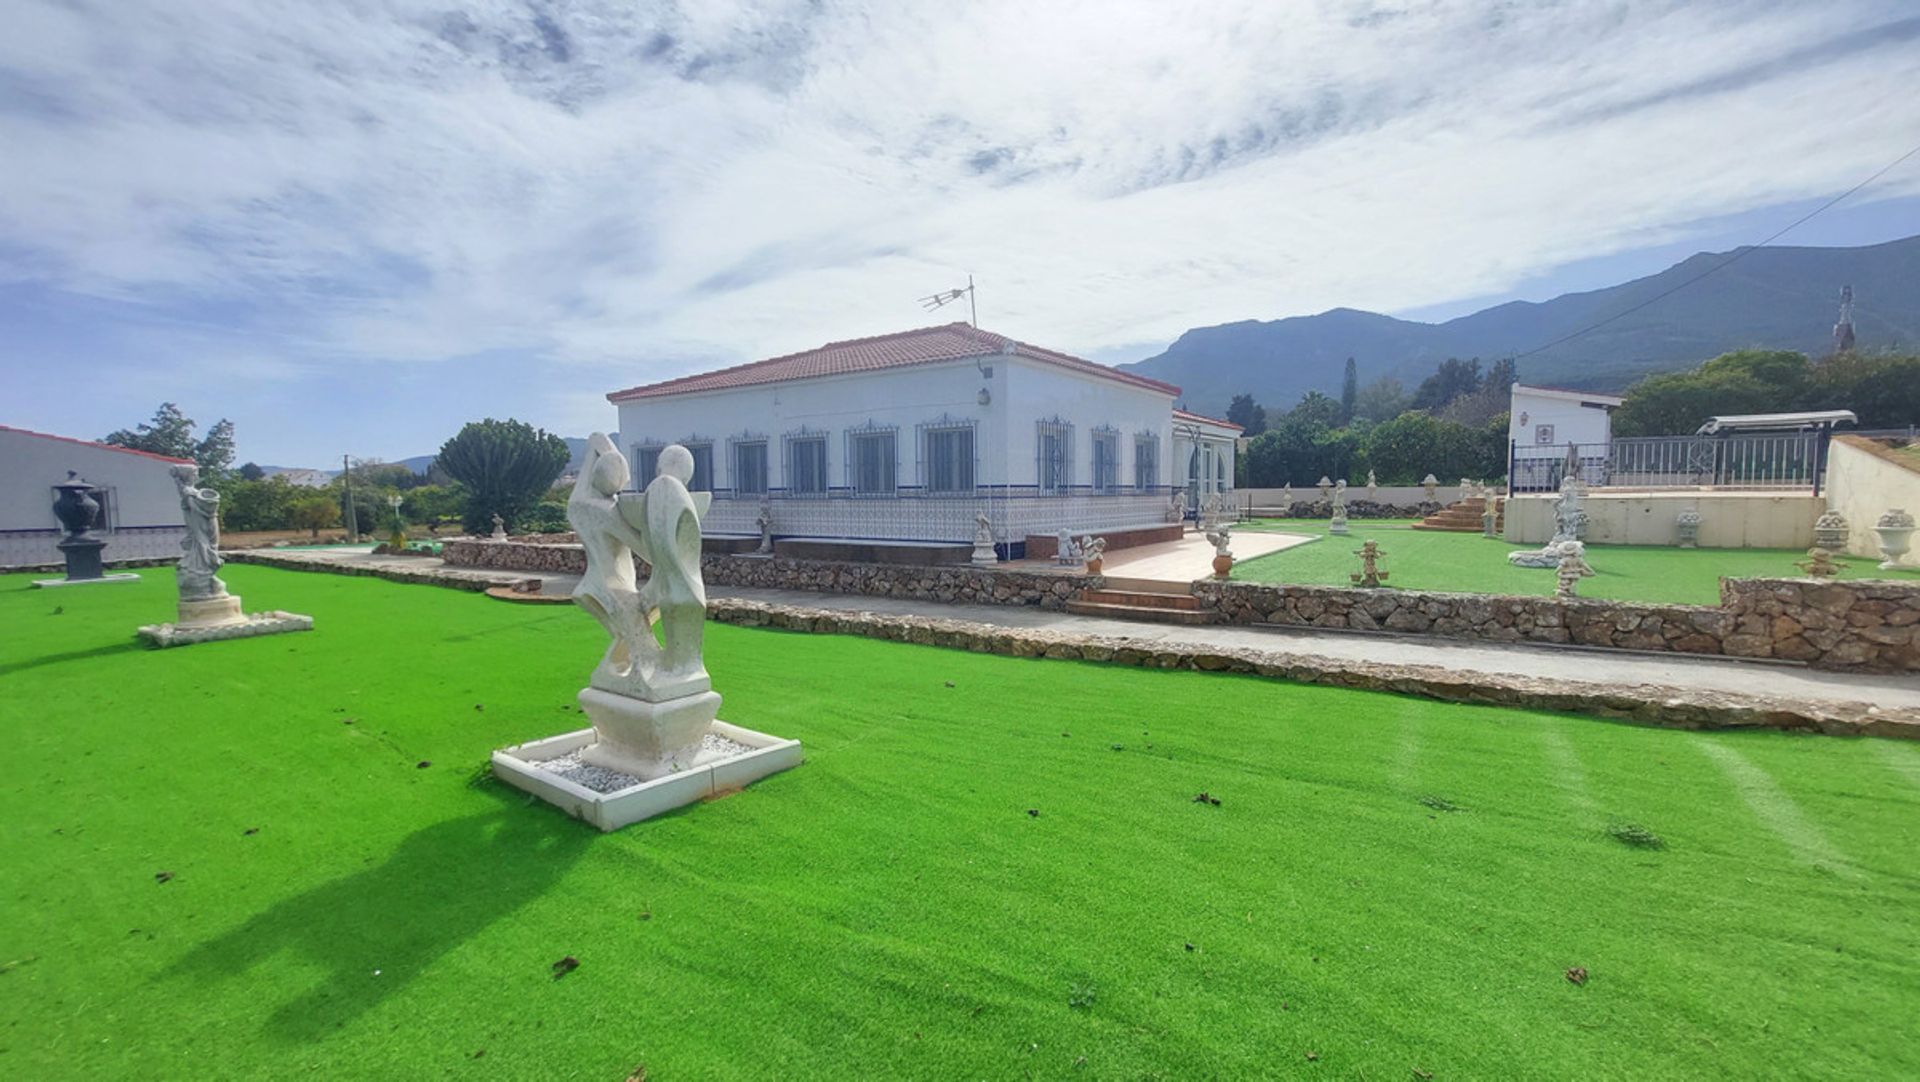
<point x="1758" y="460"/>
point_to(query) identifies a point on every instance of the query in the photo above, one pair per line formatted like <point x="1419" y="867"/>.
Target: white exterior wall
<point x="1571" y="422"/>
<point x="1021" y="392"/>
<point x="145" y="520"/>
<point x="1863" y="486"/>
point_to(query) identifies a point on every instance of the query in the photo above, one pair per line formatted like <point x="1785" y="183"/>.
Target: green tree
<point x="1382" y="400"/>
<point x="1248" y="414"/>
<point x="1349" y="391"/>
<point x="1745" y="381"/>
<point x="252" y="472"/>
<point x="1882" y="389"/>
<point x="170" y="433"/>
<point x="505" y="465"/>
<point x="1414" y="444"/>
<point x="1452" y="379"/>
<point x="1315" y="408"/>
<point x="257" y="505"/>
<point x="315" y="513"/>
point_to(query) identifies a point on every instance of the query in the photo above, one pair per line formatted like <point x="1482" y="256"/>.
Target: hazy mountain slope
<point x="1782" y="298"/>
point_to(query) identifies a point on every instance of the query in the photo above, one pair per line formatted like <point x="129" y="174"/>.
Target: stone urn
<point x="1687" y="525"/>
<point x="1896" y="536"/>
<point x="76" y="509"/>
<point x="1222" y="565"/>
<point x="1830" y="531"/>
<point x="1093" y="564"/>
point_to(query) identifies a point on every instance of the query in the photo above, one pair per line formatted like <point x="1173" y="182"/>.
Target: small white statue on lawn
<point x="1339" y="523"/>
<point x="1432" y="485"/>
<point x="1571" y="569"/>
<point x="499" y="528"/>
<point x="207" y="612"/>
<point x="1373" y="488"/>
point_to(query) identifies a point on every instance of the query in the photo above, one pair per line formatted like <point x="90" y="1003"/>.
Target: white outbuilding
<point x="140" y="514"/>
<point x="891" y="447"/>
<point x="1548" y="426"/>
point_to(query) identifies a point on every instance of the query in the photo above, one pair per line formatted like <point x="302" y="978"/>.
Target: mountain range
<point x="1773" y="298"/>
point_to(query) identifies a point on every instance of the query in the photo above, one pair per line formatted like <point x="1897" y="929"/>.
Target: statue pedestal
<point x="219" y="618"/>
<point x="211" y="611"/>
<point x="646" y="739"/>
<point x="551" y="770"/>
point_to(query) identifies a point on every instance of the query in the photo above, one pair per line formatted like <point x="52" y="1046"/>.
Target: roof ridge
<point x="96" y="443"/>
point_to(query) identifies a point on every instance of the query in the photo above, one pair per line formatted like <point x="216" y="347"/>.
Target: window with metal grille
<point x="646" y="463"/>
<point x="1053" y="449"/>
<point x="702" y="467"/>
<point x="750" y="467"/>
<point x="871" y="460"/>
<point x="949" y="460"/>
<point x="1106" y="460"/>
<point x="1146" y="462"/>
<point x="807" y="465"/>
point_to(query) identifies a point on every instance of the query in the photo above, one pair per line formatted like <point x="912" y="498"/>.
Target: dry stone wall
<point x="1866" y="624"/>
<point x="948" y="584"/>
<point x="1831" y="624"/>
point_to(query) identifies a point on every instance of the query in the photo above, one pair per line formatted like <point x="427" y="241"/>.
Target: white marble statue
<point x="1432" y="485"/>
<point x="1221" y="538"/>
<point x="200" y="548"/>
<point x="764" y="520"/>
<point x="662" y="527"/>
<point x="983" y="552"/>
<point x="1092" y="548"/>
<point x="499" y="528"/>
<point x="1373" y="487"/>
<point x="1569" y="521"/>
<point x="1338" y="525"/>
<point x="1065" y="552"/>
<point x="1177" y="506"/>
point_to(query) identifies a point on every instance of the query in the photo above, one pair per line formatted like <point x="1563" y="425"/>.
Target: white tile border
<point x="121" y="576"/>
<point x="518" y="767"/>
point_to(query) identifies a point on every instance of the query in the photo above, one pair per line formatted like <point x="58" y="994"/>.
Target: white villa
<point x="890" y="447"/>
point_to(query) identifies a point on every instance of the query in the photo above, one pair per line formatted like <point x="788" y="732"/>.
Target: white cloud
<point x="649" y="189"/>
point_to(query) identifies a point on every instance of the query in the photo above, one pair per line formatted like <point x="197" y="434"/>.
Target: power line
<point x="1725" y="263"/>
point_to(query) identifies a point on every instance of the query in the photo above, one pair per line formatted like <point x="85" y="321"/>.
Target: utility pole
<point x="352" y="521"/>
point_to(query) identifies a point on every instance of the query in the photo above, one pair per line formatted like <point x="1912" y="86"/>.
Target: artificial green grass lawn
<point x="339" y="908"/>
<point x="1472" y="564"/>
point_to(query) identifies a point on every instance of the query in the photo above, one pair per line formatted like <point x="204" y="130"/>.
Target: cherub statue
<point x="1221" y="538"/>
<point x="1177" y="506"/>
<point x="1369" y="575"/>
<point x="1065" y="552"/>
<point x="1573" y="568"/>
<point x="1819" y="563"/>
<point x="1092" y="548"/>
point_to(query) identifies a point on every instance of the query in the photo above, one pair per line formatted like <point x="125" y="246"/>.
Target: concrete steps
<point x="1141" y="600"/>
<point x="1464" y="517"/>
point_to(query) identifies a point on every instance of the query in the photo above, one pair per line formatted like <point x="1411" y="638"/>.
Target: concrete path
<point x="1180" y="561"/>
<point x="1562" y="664"/>
<point x="1596" y="669"/>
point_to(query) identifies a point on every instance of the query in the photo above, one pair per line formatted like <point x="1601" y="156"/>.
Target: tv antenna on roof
<point x="946" y="297"/>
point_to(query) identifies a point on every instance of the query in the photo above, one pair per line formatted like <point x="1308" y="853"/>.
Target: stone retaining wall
<point x="1865" y="624"/>
<point x="1833" y="624"/>
<point x="1688" y="708"/>
<point x="949" y="584"/>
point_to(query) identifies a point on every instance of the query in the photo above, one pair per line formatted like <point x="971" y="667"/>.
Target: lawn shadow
<point x="71" y="655"/>
<point x="440" y="887"/>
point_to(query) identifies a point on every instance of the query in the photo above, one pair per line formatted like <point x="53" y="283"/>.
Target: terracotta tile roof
<point x="1188" y="415"/>
<point x="926" y="345"/>
<point x="91" y="443"/>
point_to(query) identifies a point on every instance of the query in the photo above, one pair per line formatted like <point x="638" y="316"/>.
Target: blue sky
<point x="350" y="228"/>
